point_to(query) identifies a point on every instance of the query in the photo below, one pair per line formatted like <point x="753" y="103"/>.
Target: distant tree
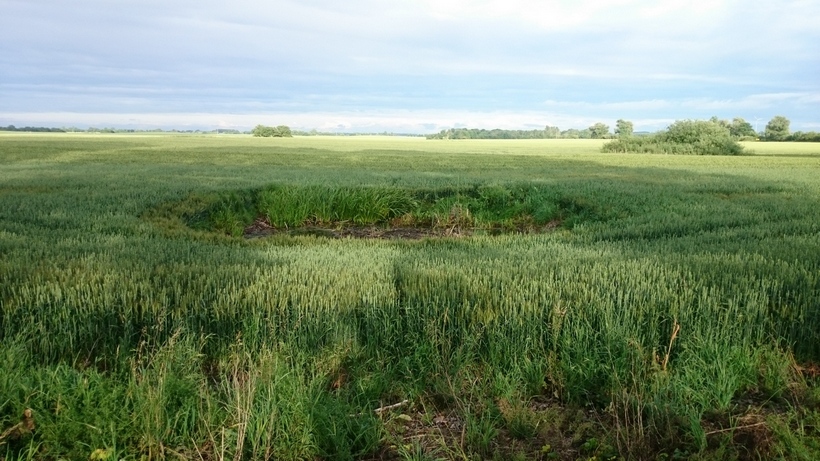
<point x="623" y="128"/>
<point x="741" y="128"/>
<point x="777" y="129"/>
<point x="281" y="131"/>
<point x="552" y="132"/>
<point x="496" y="133"/>
<point x="811" y="136"/>
<point x="722" y="122"/>
<point x="34" y="129"/>
<point x="599" y="131"/>
<point x="571" y="133"/>
<point x="262" y="131"/>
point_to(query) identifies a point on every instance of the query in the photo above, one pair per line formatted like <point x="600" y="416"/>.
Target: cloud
<point x="749" y="106"/>
<point x="480" y="56"/>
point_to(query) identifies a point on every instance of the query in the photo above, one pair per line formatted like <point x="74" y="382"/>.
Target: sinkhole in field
<point x="388" y="212"/>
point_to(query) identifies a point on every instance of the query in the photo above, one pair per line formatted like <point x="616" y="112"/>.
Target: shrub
<point x="684" y="137"/>
<point x="281" y="131"/>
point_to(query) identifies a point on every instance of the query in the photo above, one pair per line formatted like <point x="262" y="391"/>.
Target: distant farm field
<point x="635" y="306"/>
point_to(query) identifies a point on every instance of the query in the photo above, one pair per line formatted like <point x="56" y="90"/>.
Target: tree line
<point x="33" y="129"/>
<point x="738" y="129"/>
<point x="596" y="131"/>
<point x="281" y="131"/>
<point x="72" y="129"/>
<point x="707" y="137"/>
<point x="778" y="130"/>
<point x="315" y="132"/>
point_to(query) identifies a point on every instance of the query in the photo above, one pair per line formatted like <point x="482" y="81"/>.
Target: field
<point x="652" y="307"/>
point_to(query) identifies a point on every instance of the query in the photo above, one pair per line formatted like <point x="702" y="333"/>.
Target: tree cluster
<point x="476" y="133"/>
<point x="315" y="132"/>
<point x="596" y="131"/>
<point x="778" y="130"/>
<point x="281" y="131"/>
<point x="34" y="129"/>
<point x="738" y="128"/>
<point x="693" y="137"/>
<point x="91" y="129"/>
<point x="801" y="136"/>
<point x="623" y="128"/>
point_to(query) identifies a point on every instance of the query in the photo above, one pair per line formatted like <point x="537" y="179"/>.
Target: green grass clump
<point x="316" y="205"/>
<point x="495" y="208"/>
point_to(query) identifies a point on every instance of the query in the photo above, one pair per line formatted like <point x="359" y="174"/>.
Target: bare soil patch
<point x="262" y="228"/>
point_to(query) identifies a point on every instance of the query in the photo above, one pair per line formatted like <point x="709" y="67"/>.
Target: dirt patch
<point x="262" y="228"/>
<point x="418" y="433"/>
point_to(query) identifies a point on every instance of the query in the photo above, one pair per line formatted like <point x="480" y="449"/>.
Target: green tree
<point x="684" y="137"/>
<point x="623" y="128"/>
<point x="693" y="131"/>
<point x="552" y="132"/>
<point x="571" y="133"/>
<point x="741" y="128"/>
<point x="281" y="131"/>
<point x="262" y="131"/>
<point x="722" y="122"/>
<point x="777" y="129"/>
<point x="703" y="137"/>
<point x="599" y="131"/>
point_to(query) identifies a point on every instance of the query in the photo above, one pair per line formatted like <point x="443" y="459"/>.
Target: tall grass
<point x="292" y="207"/>
<point x="477" y="207"/>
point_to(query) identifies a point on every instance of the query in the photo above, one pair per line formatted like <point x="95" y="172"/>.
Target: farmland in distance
<point x="649" y="306"/>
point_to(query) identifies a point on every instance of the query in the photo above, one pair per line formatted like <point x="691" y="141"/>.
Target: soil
<point x="262" y="228"/>
<point x="443" y="434"/>
<point x="567" y="433"/>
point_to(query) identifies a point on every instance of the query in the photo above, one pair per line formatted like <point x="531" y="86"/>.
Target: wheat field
<point x="669" y="300"/>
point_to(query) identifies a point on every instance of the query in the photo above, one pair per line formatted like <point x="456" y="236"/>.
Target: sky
<point x="407" y="66"/>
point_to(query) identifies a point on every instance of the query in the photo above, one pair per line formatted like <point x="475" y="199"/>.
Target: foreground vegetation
<point x="673" y="313"/>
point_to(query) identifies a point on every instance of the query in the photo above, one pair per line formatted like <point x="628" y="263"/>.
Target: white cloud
<point x="600" y="56"/>
<point x="751" y="102"/>
<point x="653" y="104"/>
<point x="755" y="102"/>
<point x="555" y="16"/>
